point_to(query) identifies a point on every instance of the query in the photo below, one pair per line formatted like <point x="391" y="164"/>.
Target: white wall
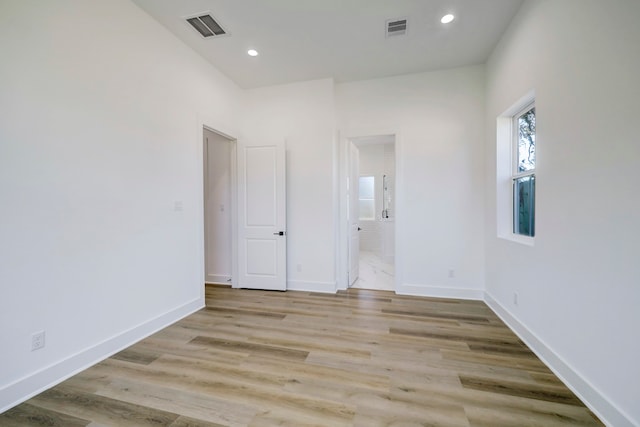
<point x="302" y="114"/>
<point x="578" y="285"/>
<point x="100" y="133"/>
<point x="218" y="209"/>
<point x="439" y="192"/>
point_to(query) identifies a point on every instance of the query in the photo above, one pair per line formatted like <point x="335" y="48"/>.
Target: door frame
<point x="344" y="138"/>
<point x="353" y="192"/>
<point x="233" y="141"/>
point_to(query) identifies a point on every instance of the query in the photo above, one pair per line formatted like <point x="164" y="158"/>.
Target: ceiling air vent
<point x="396" y="27"/>
<point x="206" y="25"/>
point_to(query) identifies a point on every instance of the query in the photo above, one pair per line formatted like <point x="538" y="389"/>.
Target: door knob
<point x="279" y="233"/>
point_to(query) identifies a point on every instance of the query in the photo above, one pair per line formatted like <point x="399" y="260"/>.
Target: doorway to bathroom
<point x="372" y="212"/>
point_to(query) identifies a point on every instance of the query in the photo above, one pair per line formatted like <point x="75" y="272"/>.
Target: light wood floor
<point x="358" y="358"/>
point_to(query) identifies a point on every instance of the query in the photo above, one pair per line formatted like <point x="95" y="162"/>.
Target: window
<point x="516" y="171"/>
<point x="524" y="171"/>
<point x="366" y="197"/>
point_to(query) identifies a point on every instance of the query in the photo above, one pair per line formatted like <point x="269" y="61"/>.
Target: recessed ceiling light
<point x="447" y="18"/>
<point x="252" y="52"/>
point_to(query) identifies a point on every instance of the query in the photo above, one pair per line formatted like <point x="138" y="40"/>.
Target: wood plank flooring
<point x="357" y="358"/>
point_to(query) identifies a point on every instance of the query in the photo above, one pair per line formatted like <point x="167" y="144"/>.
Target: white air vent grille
<point x="396" y="27"/>
<point x="206" y="25"/>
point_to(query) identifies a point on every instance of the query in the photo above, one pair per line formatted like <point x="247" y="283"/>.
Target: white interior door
<point x="262" y="240"/>
<point x="354" y="216"/>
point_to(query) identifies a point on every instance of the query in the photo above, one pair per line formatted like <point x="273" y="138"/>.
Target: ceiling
<point x="301" y="40"/>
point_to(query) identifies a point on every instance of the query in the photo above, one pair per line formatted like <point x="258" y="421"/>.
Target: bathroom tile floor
<point x="375" y="273"/>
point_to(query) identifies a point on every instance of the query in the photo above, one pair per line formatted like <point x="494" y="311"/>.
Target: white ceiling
<point x="345" y="39"/>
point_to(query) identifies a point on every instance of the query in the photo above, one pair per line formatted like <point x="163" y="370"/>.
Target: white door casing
<point x="262" y="249"/>
<point x="354" y="216"/>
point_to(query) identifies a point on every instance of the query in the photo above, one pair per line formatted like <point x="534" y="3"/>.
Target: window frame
<point x="516" y="175"/>
<point x="504" y="169"/>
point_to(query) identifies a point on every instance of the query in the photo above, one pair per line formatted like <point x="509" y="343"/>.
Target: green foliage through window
<point x="524" y="201"/>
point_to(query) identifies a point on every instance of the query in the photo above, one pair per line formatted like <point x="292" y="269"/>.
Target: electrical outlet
<point x="452" y="274"/>
<point x="37" y="340"/>
<point x="299" y="268"/>
<point x="515" y="298"/>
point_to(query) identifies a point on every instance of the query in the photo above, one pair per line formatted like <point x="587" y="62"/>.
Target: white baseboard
<point x="594" y="399"/>
<point x="439" y="292"/>
<point x="218" y="279"/>
<point x="39" y="381"/>
<point x="309" y="286"/>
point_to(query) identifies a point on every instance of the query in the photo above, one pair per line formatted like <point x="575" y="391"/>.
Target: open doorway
<point x="372" y="212"/>
<point x="244" y="212"/>
<point x="218" y="170"/>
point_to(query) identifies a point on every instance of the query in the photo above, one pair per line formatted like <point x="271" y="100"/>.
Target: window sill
<point x="516" y="238"/>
